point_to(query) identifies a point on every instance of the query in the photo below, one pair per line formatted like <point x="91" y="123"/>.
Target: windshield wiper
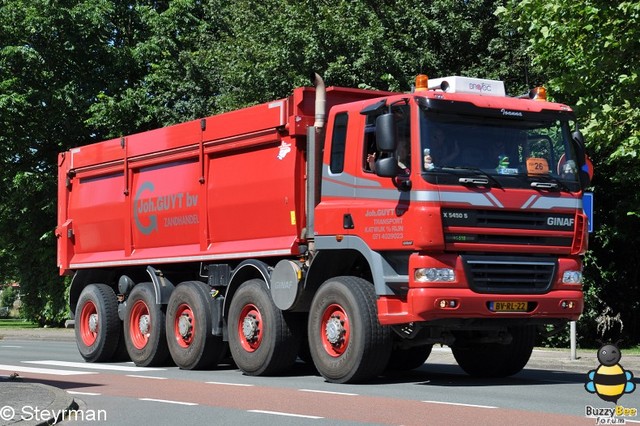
<point x="473" y="180"/>
<point x="552" y="183"/>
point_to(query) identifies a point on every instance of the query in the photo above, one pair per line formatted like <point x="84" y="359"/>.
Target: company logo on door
<point x="146" y="208"/>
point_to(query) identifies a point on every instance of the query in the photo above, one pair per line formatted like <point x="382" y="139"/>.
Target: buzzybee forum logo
<point x="610" y="381"/>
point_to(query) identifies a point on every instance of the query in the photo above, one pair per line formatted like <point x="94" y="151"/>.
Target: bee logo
<point x="609" y="381"/>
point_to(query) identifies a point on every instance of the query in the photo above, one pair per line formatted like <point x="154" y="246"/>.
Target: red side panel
<point x="228" y="186"/>
<point x="253" y="198"/>
<point x="166" y="200"/>
<point x="96" y="204"/>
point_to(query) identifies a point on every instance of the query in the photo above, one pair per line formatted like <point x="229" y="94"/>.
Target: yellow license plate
<point x="509" y="306"/>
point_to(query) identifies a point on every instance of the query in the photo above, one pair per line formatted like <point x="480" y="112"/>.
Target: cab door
<point x="380" y="203"/>
<point x="333" y="213"/>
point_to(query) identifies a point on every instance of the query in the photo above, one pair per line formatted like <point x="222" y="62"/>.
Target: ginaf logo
<point x="609" y="381"/>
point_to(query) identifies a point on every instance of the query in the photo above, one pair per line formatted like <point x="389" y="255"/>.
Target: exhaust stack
<point x="315" y="141"/>
<point x="321" y="102"/>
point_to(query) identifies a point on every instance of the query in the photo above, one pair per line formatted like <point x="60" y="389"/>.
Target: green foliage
<point x="9" y="296"/>
<point x="173" y="67"/>
<point x="269" y="47"/>
<point x="588" y="52"/>
<point x="53" y="59"/>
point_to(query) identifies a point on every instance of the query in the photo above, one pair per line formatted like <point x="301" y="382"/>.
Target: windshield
<point x="511" y="152"/>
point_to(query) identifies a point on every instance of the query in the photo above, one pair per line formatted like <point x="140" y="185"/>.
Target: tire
<point x="121" y="354"/>
<point x="189" y="328"/>
<point x="304" y="353"/>
<point x="144" y="328"/>
<point x="262" y="339"/>
<point x="346" y="341"/>
<point x="494" y="359"/>
<point x="409" y="359"/>
<point x="98" y="326"/>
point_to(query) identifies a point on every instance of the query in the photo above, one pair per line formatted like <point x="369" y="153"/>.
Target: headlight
<point x="429" y="275"/>
<point x="572" y="277"/>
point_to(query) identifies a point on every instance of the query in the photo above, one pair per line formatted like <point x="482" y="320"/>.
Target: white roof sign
<point x="469" y="85"/>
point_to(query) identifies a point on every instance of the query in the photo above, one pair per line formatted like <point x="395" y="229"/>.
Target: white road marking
<point x="229" y="384"/>
<point x="84" y="393"/>
<point x="279" y="413"/>
<point x="94" y="366"/>
<point x="460" y="404"/>
<point x="166" y="401"/>
<point x="34" y="370"/>
<point x="146" y="377"/>
<point x="328" y="392"/>
<point x="10" y="346"/>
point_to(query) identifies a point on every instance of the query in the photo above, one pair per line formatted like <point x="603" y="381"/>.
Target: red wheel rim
<point x="139" y="324"/>
<point x="250" y="328"/>
<point x="89" y="323"/>
<point x="184" y="325"/>
<point x="335" y="330"/>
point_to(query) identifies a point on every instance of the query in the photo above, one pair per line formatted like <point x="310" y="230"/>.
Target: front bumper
<point x="426" y="304"/>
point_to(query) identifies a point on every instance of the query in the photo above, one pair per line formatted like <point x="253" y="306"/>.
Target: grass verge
<point x="16" y="323"/>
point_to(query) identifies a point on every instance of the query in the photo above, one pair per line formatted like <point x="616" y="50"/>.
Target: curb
<point x="32" y="404"/>
<point x="60" y="334"/>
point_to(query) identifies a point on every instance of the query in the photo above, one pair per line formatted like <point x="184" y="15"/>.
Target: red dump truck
<point x="350" y="228"/>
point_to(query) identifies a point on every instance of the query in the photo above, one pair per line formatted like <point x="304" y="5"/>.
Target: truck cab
<point x="466" y="206"/>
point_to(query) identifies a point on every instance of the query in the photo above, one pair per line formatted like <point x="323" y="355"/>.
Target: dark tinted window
<point x="338" y="142"/>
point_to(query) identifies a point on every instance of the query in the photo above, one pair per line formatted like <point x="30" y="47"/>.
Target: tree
<point x="270" y="46"/>
<point x="177" y="72"/>
<point x="8" y="295"/>
<point x="55" y="57"/>
<point x="589" y="52"/>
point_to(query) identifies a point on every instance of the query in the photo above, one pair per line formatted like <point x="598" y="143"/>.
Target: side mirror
<point x="578" y="140"/>
<point x="386" y="133"/>
<point x="583" y="169"/>
<point x="387" y="167"/>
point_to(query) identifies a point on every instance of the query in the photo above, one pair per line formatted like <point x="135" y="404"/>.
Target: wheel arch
<point x="83" y="278"/>
<point x="246" y="270"/>
<point x="161" y="285"/>
<point x="353" y="257"/>
<point x="328" y="264"/>
<point x="110" y="277"/>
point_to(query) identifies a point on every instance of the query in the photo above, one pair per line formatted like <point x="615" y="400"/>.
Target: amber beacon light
<point x="422" y="82"/>
<point x="539" y="94"/>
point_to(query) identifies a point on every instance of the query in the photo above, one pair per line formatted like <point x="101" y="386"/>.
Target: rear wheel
<point x="144" y="327"/>
<point x="495" y="359"/>
<point x="261" y="340"/>
<point x="97" y="327"/>
<point x="346" y="341"/>
<point x="410" y="358"/>
<point x="189" y="328"/>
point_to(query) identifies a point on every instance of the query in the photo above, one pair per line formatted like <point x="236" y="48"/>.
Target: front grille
<point x="509" y="274"/>
<point x="508" y="219"/>
<point x="558" y="226"/>
<point x="508" y="239"/>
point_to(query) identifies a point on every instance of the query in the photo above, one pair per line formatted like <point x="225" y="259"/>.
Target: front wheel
<point x="346" y="341"/>
<point x="262" y="339"/>
<point x="495" y="359"/>
<point x="144" y="327"/>
<point x="98" y="326"/>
